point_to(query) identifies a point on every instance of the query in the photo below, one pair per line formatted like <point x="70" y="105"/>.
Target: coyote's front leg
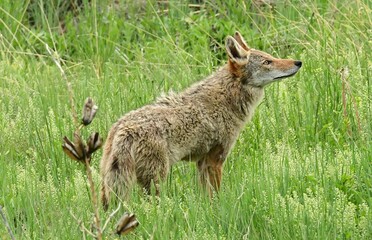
<point x="210" y="169"/>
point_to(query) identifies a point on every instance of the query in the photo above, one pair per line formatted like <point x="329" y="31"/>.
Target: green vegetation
<point x="302" y="169"/>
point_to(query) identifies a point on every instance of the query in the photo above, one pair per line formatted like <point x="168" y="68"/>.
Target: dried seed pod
<point x="75" y="150"/>
<point x="69" y="148"/>
<point x="94" y="142"/>
<point x="79" y="145"/>
<point x="89" y="111"/>
<point x="126" y="224"/>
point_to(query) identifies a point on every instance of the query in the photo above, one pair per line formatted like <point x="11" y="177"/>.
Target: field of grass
<point x="302" y="169"/>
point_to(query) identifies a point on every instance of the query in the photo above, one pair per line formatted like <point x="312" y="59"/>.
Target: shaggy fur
<point x="200" y="124"/>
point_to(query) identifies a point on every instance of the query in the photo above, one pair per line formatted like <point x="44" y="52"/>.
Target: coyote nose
<point x="298" y="63"/>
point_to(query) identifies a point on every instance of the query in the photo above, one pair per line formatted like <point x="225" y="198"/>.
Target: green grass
<point x="302" y="169"/>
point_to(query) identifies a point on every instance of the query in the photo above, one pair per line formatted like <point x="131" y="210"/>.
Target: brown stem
<point x="346" y="89"/>
<point x="344" y="103"/>
<point x="82" y="227"/>
<point x="94" y="199"/>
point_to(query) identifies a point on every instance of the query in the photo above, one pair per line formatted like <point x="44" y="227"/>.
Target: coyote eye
<point x="267" y="62"/>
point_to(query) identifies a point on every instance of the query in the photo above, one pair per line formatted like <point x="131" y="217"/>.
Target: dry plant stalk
<point x="344" y="72"/>
<point x="78" y="150"/>
<point x="82" y="152"/>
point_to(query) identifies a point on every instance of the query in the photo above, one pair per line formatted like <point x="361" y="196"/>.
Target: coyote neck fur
<point x="222" y="91"/>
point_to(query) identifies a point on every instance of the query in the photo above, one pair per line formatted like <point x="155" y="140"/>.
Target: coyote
<point x="200" y="124"/>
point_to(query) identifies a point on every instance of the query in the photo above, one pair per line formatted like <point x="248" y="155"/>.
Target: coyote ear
<point x="236" y="53"/>
<point x="238" y="37"/>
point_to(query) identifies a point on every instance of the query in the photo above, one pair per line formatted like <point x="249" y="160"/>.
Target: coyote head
<point x="254" y="67"/>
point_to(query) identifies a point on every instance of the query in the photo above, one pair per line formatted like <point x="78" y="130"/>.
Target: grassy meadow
<point x="302" y="169"/>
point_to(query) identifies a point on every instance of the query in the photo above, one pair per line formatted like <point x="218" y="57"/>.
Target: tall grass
<point x="300" y="170"/>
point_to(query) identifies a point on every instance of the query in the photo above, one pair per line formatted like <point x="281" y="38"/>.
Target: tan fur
<point x="200" y="124"/>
